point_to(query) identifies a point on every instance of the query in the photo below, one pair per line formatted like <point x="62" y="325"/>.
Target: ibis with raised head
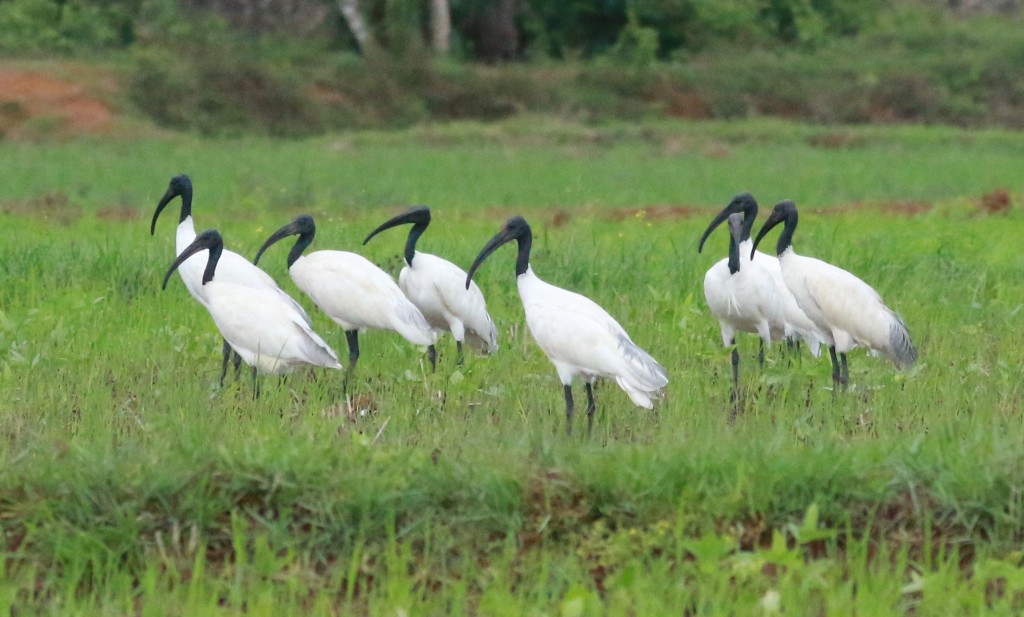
<point x="577" y="335"/>
<point x="266" y="330"/>
<point x="232" y="267"/>
<point x="436" y="287"/>
<point x="743" y="298"/>
<point x="849" y="313"/>
<point x="350" y="289"/>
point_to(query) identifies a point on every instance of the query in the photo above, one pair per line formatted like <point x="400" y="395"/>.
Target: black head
<point x="180" y="186"/>
<point x="743" y="203"/>
<point x="784" y="211"/>
<point x="417" y="215"/>
<point x="302" y="226"/>
<point x="516" y="228"/>
<point x="208" y="240"/>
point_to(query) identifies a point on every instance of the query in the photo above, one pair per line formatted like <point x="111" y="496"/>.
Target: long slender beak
<point x="736" y="228"/>
<point x="166" y="199"/>
<point x="721" y="216"/>
<point x="280" y="234"/>
<point x="206" y="240"/>
<point x="502" y="237"/>
<point x="768" y="225"/>
<point x="401" y="219"/>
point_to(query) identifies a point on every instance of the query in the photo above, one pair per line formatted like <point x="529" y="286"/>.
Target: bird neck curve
<point x="211" y="262"/>
<point x="786" y="237"/>
<point x="410" y="242"/>
<point x="186" y="204"/>
<point x="303" y="242"/>
<point x="525" y="242"/>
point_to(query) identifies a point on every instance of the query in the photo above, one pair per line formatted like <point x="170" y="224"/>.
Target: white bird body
<point x="267" y="332"/>
<point x="231" y="268"/>
<point x="795" y="321"/>
<point x="357" y="295"/>
<point x="438" y="289"/>
<point x="747" y="301"/>
<point x="845" y="309"/>
<point x="581" y="338"/>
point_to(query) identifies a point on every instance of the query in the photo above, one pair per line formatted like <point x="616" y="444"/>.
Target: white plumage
<point x="351" y="290"/>
<point x="577" y="335"/>
<point x="267" y="332"/>
<point x="846" y="310"/>
<point x="231" y="268"/>
<point x="437" y="288"/>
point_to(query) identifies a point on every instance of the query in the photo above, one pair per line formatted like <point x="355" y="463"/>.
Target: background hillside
<point x="303" y="67"/>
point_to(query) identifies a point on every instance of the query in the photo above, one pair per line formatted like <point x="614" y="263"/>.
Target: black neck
<point x="525" y="241"/>
<point x="749" y="215"/>
<point x="410" y="242"/>
<point x="734" y="255"/>
<point x="786" y="237"/>
<point x="305" y="239"/>
<point x="186" y="204"/>
<point x="211" y="262"/>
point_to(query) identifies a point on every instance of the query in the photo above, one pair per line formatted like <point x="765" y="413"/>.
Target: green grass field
<point x="131" y="484"/>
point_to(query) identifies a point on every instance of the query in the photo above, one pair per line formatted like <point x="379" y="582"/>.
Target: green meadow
<point x="131" y="484"/>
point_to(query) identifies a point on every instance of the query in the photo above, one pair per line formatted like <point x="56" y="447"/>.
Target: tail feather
<point x="902" y="350"/>
<point x="411" y="324"/>
<point x="646" y="376"/>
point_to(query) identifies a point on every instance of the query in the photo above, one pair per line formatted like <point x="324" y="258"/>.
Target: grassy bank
<point x="129" y="483"/>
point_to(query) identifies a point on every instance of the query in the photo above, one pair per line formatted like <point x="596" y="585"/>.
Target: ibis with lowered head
<point x="266" y="330"/>
<point x="849" y="313"/>
<point x="577" y="335"/>
<point x="350" y="289"/>
<point x="436" y="287"/>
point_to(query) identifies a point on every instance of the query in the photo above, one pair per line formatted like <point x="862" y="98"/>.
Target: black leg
<point x="255" y="384"/>
<point x="844" y="375"/>
<point x="224" y="365"/>
<point x="760" y="355"/>
<point x="591" y="408"/>
<point x="352" y="336"/>
<point x="734" y="395"/>
<point x="432" y="356"/>
<point x="835" y="370"/>
<point x="569" y="408"/>
<point x="458" y="353"/>
<point x="238" y="364"/>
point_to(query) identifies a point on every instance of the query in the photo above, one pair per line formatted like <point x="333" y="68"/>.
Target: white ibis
<point x="750" y="296"/>
<point x="232" y="267"/>
<point x="847" y="311"/>
<point x="266" y="330"/>
<point x="355" y="294"/>
<point x="436" y="287"/>
<point x="577" y="335"/>
<point x="743" y="299"/>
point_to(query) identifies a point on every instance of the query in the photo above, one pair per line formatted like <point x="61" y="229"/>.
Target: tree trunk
<point x="440" y="26"/>
<point x="354" y="18"/>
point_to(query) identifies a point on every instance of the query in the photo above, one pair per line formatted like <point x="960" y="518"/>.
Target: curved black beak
<point x="290" y="229"/>
<point x="773" y="220"/>
<point x="504" y="236"/>
<point x="736" y="227"/>
<point x="208" y="240"/>
<point x="166" y="199"/>
<point x="418" y="215"/>
<point x="721" y="216"/>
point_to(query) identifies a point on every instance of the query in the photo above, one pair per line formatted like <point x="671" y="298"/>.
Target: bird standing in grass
<point x="577" y="335"/>
<point x="231" y="267"/>
<point x="351" y="290"/>
<point x="847" y="311"/>
<point x="266" y="330"/>
<point x="436" y="287"/>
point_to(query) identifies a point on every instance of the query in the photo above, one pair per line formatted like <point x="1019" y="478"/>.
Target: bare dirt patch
<point x="35" y="103"/>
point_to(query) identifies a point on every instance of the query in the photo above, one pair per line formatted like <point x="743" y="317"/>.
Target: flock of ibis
<point x="793" y="298"/>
